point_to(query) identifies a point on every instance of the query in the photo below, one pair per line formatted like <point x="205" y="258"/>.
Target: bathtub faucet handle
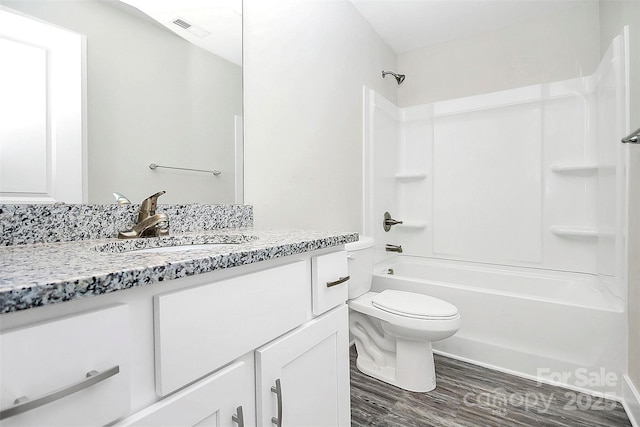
<point x="393" y="248"/>
<point x="388" y="221"/>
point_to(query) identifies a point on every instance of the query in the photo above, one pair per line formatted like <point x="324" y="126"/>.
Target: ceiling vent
<point x="181" y="23"/>
<point x="196" y="31"/>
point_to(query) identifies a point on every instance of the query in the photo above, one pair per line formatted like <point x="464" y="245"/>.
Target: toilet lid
<point x="411" y="304"/>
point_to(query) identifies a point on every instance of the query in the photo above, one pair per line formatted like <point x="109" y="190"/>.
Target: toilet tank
<point x="360" y="266"/>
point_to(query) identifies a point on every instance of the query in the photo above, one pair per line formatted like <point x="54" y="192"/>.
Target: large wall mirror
<point x="163" y="85"/>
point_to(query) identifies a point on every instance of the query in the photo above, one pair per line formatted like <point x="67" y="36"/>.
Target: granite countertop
<point x="34" y="275"/>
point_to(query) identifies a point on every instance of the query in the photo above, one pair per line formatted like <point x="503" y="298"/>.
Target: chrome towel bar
<point x="633" y="138"/>
<point x="155" y="166"/>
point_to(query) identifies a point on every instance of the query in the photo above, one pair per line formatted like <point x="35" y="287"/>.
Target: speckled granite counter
<point x="24" y="224"/>
<point x="34" y="275"/>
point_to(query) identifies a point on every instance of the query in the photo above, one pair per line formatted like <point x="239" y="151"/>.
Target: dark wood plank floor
<point x="472" y="396"/>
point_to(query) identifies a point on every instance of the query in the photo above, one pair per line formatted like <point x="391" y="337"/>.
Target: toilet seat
<point x="413" y="305"/>
<point x="364" y="304"/>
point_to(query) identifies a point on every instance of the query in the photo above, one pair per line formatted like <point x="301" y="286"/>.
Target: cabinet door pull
<point x="278" y="391"/>
<point x="238" y="417"/>
<point x="337" y="282"/>
<point x="24" y="404"/>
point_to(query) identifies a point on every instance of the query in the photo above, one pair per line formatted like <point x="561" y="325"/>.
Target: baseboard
<point x="631" y="401"/>
<point x="616" y="396"/>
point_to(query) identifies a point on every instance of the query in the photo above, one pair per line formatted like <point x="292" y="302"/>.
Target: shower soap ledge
<point x="411" y="175"/>
<point x="579" y="168"/>
<point x="580" y="231"/>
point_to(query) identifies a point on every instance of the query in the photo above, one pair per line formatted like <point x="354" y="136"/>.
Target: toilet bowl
<point x="393" y="330"/>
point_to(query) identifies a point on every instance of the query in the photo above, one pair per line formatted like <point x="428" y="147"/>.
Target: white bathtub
<point x="554" y="326"/>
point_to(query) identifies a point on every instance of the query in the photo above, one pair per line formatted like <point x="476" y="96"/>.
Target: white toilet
<point x="393" y="330"/>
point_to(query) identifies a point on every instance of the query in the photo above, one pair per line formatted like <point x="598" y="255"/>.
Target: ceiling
<point x="215" y="25"/>
<point x="408" y="25"/>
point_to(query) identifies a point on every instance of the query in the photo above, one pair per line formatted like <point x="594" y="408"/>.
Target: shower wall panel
<point x="532" y="176"/>
<point x="611" y="103"/>
<point x="412" y="182"/>
<point x="570" y="184"/>
<point x="487" y="203"/>
<point x="380" y="158"/>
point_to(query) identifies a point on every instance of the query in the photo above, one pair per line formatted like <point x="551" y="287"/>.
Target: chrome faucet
<point x="150" y="223"/>
<point x="393" y="248"/>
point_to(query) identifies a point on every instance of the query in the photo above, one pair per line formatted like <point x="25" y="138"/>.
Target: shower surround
<point x="532" y="178"/>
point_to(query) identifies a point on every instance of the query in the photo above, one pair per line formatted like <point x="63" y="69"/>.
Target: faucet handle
<point x="155" y="196"/>
<point x="121" y="200"/>
<point x="148" y="206"/>
<point x="388" y="221"/>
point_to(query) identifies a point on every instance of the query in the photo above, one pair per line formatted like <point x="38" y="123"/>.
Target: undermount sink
<point x="180" y="248"/>
<point x="173" y="243"/>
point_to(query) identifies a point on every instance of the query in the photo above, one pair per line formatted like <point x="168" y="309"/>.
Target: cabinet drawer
<point x="51" y="361"/>
<point x="212" y="401"/>
<point x="200" y="329"/>
<point x="330" y="281"/>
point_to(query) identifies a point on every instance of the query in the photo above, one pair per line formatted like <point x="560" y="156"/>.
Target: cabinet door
<point x="311" y="367"/>
<point x="212" y="401"/>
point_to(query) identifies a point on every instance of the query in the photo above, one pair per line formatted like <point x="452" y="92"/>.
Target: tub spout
<point x="393" y="248"/>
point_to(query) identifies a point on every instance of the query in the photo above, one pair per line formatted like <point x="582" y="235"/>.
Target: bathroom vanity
<point x="251" y="330"/>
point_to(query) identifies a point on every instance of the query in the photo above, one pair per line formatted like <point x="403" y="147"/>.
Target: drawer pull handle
<point x="278" y="391"/>
<point x="238" y="417"/>
<point x="337" y="282"/>
<point x="23" y="404"/>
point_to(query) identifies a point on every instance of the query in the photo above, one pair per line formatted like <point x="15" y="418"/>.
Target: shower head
<point x="399" y="77"/>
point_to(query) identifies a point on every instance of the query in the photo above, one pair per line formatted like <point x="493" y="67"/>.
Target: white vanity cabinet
<point x="274" y="360"/>
<point x="258" y="345"/>
<point x="301" y="379"/>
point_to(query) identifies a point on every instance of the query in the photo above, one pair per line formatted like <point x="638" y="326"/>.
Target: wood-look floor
<point x="473" y="396"/>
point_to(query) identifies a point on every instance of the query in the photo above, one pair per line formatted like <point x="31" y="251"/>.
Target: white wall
<point x="152" y="97"/>
<point x="613" y="16"/>
<point x="554" y="48"/>
<point x="305" y="63"/>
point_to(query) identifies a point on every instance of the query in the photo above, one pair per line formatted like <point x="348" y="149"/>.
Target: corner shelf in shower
<point x="560" y="230"/>
<point x="411" y="176"/>
<point x="580" y="168"/>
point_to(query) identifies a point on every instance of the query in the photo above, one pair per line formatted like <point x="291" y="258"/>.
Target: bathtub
<point x="555" y="327"/>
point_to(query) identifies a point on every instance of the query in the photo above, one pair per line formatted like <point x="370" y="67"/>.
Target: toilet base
<point x="415" y="358"/>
